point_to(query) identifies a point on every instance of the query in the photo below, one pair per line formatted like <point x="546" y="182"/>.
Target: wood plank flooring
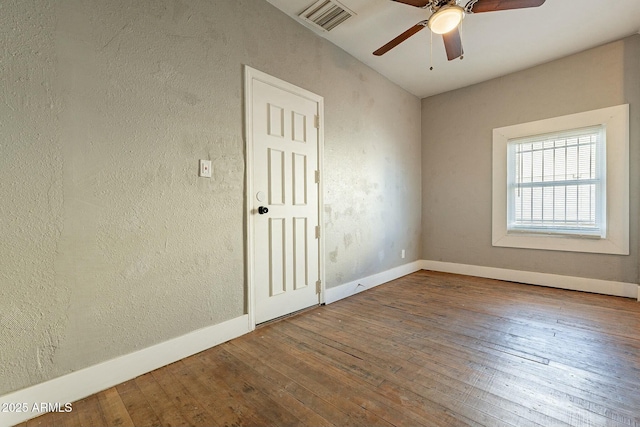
<point x="429" y="349"/>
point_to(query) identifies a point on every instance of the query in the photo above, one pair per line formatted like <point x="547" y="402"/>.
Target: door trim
<point x="251" y="75"/>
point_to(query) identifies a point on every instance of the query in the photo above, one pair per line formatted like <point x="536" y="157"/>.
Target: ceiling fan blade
<point x="453" y="44"/>
<point x="496" y="5"/>
<point x="416" y="3"/>
<point x="402" y="37"/>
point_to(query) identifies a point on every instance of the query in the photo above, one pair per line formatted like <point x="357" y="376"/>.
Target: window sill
<point x="561" y="243"/>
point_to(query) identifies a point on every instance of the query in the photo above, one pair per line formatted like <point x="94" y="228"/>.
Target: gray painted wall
<point x="109" y="241"/>
<point x="456" y="153"/>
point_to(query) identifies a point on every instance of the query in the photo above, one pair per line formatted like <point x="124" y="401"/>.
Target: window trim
<point x="616" y="122"/>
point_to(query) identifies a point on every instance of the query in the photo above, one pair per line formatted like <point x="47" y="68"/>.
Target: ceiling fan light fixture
<point x="445" y="19"/>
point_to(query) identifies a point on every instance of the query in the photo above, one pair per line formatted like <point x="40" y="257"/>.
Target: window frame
<point x="616" y="123"/>
<point x="597" y="178"/>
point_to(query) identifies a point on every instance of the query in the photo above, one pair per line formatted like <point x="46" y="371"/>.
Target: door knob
<point x="263" y="210"/>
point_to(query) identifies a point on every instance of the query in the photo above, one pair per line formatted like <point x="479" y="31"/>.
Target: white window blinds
<point x="556" y="183"/>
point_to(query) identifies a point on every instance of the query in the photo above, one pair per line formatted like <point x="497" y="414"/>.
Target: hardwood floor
<point x="429" y="349"/>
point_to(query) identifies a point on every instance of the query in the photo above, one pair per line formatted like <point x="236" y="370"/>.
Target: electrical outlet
<point x="205" y="169"/>
<point x="402" y="253"/>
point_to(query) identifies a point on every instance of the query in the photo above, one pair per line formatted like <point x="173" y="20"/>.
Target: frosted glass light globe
<point x="445" y="19"/>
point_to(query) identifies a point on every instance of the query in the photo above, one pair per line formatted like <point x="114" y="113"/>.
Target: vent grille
<point x="326" y="14"/>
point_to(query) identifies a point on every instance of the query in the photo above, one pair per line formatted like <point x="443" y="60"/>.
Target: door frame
<point x="251" y="75"/>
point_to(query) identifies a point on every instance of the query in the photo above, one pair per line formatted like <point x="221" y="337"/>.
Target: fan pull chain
<point x="461" y="38"/>
<point x="431" y="52"/>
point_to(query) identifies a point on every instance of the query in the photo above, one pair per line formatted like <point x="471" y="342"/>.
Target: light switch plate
<point x="205" y="169"/>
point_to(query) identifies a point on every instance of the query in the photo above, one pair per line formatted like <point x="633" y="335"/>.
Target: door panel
<point x="285" y="160"/>
<point x="299" y="176"/>
<point x="277" y="177"/>
<point x="277" y="256"/>
<point x="300" y="258"/>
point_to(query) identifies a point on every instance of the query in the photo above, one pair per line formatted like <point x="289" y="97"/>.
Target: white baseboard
<point x="606" y="287"/>
<point x="346" y="290"/>
<point x="88" y="381"/>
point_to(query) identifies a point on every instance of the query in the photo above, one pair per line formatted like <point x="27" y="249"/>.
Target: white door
<point x="285" y="200"/>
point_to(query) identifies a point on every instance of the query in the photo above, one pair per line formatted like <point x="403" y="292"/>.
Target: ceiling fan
<point x="446" y="18"/>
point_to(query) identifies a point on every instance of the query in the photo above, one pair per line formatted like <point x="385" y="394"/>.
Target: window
<point x="556" y="183"/>
<point x="563" y="183"/>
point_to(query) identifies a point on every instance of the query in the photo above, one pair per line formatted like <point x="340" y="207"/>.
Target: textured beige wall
<point x="457" y="140"/>
<point x="109" y="241"/>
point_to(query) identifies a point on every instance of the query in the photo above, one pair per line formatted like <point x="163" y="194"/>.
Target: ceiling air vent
<point x="326" y="14"/>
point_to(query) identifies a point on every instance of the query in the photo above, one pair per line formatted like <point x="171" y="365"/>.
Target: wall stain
<point x="179" y="10"/>
<point x="227" y="173"/>
<point x="136" y="269"/>
<point x="114" y="37"/>
<point x="328" y="218"/>
<point x="184" y="96"/>
<point x="333" y="255"/>
<point x="370" y="104"/>
<point x="190" y="98"/>
<point x="214" y="34"/>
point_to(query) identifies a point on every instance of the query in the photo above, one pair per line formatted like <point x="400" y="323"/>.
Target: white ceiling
<point x="495" y="43"/>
